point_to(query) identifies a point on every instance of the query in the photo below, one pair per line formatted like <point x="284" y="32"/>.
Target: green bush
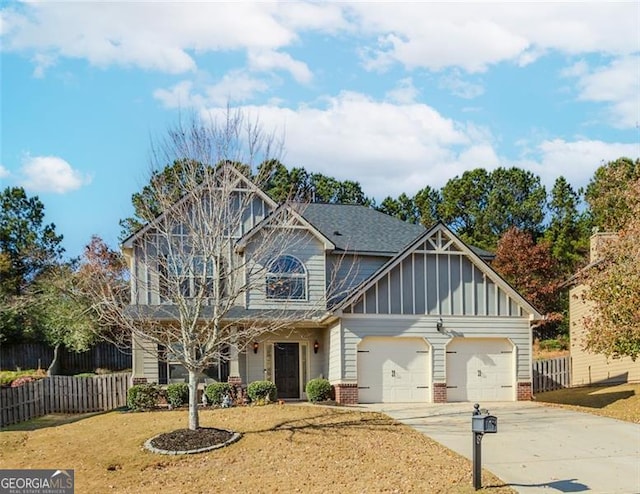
<point x="178" y="394"/>
<point x="7" y="377"/>
<point x="318" y="390"/>
<point x="561" y="343"/>
<point x="143" y="396"/>
<point x="216" y="391"/>
<point x="262" y="392"/>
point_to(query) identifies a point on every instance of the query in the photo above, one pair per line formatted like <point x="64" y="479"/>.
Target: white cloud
<point x="167" y="36"/>
<point x="266" y="60"/>
<point x="455" y="83"/>
<point x="50" y="174"/>
<point x="390" y="148"/>
<point x="162" y="36"/>
<point x="575" y="160"/>
<point x="393" y="148"/>
<point x="4" y="173"/>
<point x="405" y="92"/>
<point x="617" y="84"/>
<point x="475" y="35"/>
<point x="234" y="87"/>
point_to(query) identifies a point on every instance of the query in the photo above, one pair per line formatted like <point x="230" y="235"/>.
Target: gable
<point x="438" y="275"/>
<point x="284" y="217"/>
<point x="235" y="183"/>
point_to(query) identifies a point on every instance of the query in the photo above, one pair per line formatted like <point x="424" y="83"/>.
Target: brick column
<point x="524" y="391"/>
<point x="439" y="392"/>
<point x="346" y="393"/>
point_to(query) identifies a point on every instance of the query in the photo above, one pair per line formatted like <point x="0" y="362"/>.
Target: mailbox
<point x="481" y="423"/>
<point x="484" y="423"/>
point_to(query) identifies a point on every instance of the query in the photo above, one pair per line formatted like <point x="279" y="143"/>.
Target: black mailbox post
<point x="480" y="425"/>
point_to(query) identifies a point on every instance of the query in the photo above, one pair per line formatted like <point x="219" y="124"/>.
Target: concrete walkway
<point x="537" y="448"/>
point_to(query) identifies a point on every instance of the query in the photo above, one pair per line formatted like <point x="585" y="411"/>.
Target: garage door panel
<point x="480" y="369"/>
<point x="393" y="369"/>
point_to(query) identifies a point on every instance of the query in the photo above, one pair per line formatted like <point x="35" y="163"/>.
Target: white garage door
<point x="480" y="369"/>
<point x="393" y="370"/>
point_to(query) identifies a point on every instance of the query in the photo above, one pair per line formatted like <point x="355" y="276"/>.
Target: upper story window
<point x="286" y="279"/>
<point x="190" y="277"/>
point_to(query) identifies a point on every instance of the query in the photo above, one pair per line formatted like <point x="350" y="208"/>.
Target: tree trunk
<point x="54" y="367"/>
<point x="193" y="401"/>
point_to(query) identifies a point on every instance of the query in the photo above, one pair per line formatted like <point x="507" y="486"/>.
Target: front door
<point x="287" y="369"/>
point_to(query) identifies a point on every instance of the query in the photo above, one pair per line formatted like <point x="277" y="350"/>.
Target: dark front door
<point x="287" y="372"/>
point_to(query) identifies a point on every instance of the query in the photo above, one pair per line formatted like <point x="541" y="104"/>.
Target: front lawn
<point x="621" y="401"/>
<point x="284" y="448"/>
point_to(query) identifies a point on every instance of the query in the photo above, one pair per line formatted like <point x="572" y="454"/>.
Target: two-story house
<point x="419" y="317"/>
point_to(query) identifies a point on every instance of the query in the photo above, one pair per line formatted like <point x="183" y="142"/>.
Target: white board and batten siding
<point x="436" y="283"/>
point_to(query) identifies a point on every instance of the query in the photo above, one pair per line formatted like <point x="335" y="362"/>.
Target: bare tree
<point x="202" y="269"/>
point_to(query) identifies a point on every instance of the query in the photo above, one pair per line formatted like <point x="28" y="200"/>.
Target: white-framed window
<point x="286" y="279"/>
<point x="189" y="276"/>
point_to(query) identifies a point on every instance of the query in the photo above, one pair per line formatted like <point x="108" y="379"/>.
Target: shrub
<point x="143" y="396"/>
<point x="178" y="394"/>
<point x="7" y="377"/>
<point x="318" y="390"/>
<point x="561" y="343"/>
<point x="216" y="391"/>
<point x="262" y="392"/>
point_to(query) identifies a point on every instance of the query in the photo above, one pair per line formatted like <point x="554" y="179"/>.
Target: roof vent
<point x="337" y="233"/>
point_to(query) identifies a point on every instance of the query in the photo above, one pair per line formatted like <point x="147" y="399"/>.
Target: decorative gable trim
<point x="440" y="262"/>
<point x="242" y="182"/>
<point x="296" y="221"/>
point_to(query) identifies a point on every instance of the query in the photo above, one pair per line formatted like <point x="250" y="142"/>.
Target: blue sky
<point x="394" y="95"/>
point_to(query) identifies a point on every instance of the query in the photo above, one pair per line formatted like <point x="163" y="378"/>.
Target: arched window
<point x="286" y="279"/>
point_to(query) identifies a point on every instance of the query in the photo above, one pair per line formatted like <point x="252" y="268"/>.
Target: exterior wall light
<point x="316" y="346"/>
<point x="440" y="325"/>
<point x="255" y="347"/>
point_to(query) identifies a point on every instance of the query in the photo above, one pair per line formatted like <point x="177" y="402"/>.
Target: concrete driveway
<point x="537" y="448"/>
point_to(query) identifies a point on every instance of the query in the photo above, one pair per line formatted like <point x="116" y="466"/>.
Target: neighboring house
<point x="424" y="317"/>
<point x="586" y="367"/>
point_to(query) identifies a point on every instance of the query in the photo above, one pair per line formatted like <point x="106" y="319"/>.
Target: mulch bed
<point x="189" y="440"/>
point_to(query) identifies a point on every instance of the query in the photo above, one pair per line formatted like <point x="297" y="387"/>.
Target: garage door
<point x="480" y="369"/>
<point x="393" y="370"/>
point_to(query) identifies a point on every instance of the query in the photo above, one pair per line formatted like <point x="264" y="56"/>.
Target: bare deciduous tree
<point x="202" y="271"/>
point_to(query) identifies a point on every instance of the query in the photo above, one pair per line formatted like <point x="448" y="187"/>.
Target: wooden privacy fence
<point x="63" y="394"/>
<point x="39" y="355"/>
<point x="551" y="374"/>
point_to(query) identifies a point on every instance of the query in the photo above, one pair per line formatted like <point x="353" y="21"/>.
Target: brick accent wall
<point x="346" y="393"/>
<point x="138" y="380"/>
<point x="234" y="380"/>
<point x="439" y="392"/>
<point x="524" y="391"/>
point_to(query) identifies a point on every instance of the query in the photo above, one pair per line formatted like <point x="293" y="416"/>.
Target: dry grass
<point x="290" y="448"/>
<point x="619" y="402"/>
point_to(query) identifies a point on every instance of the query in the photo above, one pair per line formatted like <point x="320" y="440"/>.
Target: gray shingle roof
<point x="360" y="229"/>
